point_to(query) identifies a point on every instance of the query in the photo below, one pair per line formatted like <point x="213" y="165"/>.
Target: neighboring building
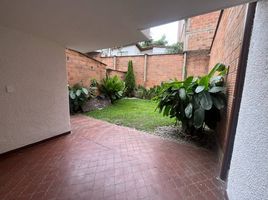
<point x="181" y="31"/>
<point x="133" y="50"/>
<point x="121" y="51"/>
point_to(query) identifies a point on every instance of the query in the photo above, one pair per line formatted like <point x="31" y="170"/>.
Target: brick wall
<point x="159" y="67"/>
<point x="138" y="66"/>
<point x="81" y="68"/>
<point x="226" y="49"/>
<point x="200" y="31"/>
<point x="197" y="62"/>
<point x="120" y="74"/>
<point x="163" y="68"/>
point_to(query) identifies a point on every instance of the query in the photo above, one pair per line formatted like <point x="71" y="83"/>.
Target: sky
<point x="170" y="30"/>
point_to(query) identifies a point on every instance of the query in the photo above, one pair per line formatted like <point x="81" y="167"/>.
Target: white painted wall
<point x="37" y="106"/>
<point x="126" y="51"/>
<point x="159" y="50"/>
<point x="248" y="175"/>
<point x="132" y="50"/>
<point x="87" y="25"/>
<point x="123" y="51"/>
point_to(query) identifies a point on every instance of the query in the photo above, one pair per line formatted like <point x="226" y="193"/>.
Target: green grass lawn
<point x="135" y="113"/>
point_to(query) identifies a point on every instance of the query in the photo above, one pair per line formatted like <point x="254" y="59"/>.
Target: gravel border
<point x="175" y="134"/>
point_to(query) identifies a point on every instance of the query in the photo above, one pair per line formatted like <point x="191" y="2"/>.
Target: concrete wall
<point x="33" y="90"/>
<point x="248" y="175"/>
<point x="226" y="49"/>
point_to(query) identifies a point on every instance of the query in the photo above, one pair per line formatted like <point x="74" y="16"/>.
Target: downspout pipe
<point x="114" y="62"/>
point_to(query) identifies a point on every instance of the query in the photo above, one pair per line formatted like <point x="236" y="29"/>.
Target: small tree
<point x="130" y="80"/>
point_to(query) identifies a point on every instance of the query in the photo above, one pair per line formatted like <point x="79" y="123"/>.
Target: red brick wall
<point x="159" y="67"/>
<point x="163" y="68"/>
<point x="197" y="63"/>
<point x="226" y="49"/>
<point x="82" y="69"/>
<point x="138" y="66"/>
<point x="109" y="61"/>
<point x="200" y="31"/>
<point x="120" y="74"/>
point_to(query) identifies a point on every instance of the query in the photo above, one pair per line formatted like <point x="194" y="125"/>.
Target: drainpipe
<point x="145" y="70"/>
<point x="114" y="63"/>
<point x="185" y="46"/>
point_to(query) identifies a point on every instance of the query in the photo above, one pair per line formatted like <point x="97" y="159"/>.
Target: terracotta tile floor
<point x="104" y="161"/>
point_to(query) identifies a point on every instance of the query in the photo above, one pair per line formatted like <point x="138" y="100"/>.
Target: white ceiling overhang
<point x="87" y="25"/>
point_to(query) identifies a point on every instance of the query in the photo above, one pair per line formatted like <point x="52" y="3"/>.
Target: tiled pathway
<point x="99" y="160"/>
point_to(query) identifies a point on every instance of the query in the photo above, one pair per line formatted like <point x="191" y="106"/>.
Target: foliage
<point x="136" y="113"/>
<point x="175" y="48"/>
<point x="111" y="87"/>
<point x="149" y="43"/>
<point x="130" y="80"/>
<point x="195" y="102"/>
<point x="150" y="93"/>
<point x="93" y="83"/>
<point x="78" y="95"/>
<point x="162" y="41"/>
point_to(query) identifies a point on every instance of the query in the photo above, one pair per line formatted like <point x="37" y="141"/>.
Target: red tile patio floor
<point x="99" y="160"/>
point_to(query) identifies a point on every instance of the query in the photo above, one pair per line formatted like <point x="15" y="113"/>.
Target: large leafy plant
<point x="111" y="87"/>
<point x="195" y="102"/>
<point x="78" y="95"/>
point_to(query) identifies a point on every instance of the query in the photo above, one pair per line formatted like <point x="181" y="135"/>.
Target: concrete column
<point x="185" y="49"/>
<point x="248" y="175"/>
<point x="114" y="62"/>
<point x="145" y="70"/>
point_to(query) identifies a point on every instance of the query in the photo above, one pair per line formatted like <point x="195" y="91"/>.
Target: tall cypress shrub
<point x="130" y="80"/>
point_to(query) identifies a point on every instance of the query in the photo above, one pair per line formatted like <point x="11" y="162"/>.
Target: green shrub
<point x="143" y="93"/>
<point x="175" y="48"/>
<point x="195" y="102"/>
<point x="130" y="80"/>
<point x="78" y="95"/>
<point x="111" y="87"/>
<point x="93" y="83"/>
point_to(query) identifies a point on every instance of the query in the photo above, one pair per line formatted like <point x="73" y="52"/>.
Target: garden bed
<point x="131" y="112"/>
<point x="141" y="115"/>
